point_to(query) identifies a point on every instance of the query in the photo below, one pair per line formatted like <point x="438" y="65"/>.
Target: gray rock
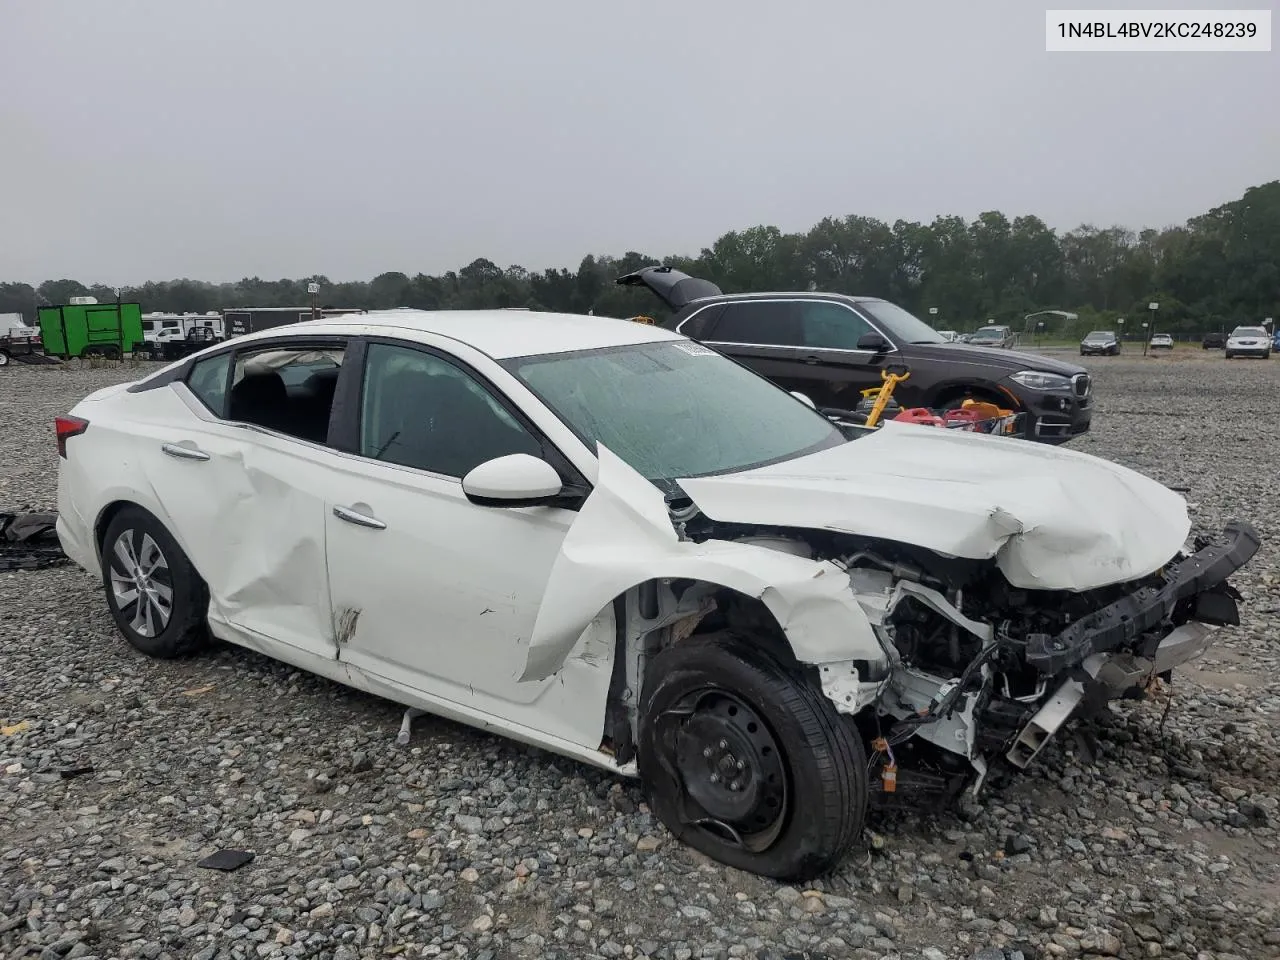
<point x="1136" y="846"/>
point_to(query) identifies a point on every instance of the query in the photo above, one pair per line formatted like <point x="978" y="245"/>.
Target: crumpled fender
<point x="623" y="537"/>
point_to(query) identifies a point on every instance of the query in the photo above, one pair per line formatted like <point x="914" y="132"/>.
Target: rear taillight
<point x="67" y="427"/>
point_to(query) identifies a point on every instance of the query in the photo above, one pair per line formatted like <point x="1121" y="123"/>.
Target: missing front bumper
<point x="1105" y="677"/>
<point x="1199" y="577"/>
<point x="1089" y="644"/>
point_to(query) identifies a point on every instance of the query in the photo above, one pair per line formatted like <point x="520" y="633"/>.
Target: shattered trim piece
<point x="29" y="541"/>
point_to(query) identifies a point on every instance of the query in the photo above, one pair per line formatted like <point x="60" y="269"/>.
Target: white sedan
<point x="609" y="541"/>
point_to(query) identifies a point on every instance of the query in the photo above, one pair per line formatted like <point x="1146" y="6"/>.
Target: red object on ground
<point x="921" y="415"/>
<point x="965" y="415"/>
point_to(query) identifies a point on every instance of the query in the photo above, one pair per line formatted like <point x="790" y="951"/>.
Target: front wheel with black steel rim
<point x="155" y="595"/>
<point x="744" y="759"/>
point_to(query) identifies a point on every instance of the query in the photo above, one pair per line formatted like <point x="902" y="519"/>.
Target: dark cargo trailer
<point x="252" y="319"/>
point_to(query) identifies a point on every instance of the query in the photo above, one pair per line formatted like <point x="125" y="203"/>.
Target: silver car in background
<point x="1249" y="342"/>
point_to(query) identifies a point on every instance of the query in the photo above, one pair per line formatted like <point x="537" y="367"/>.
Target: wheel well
<point x="108" y="514"/>
<point x="656" y="614"/>
<point x="957" y="390"/>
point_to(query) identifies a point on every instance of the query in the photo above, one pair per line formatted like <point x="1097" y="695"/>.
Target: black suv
<point x="830" y="347"/>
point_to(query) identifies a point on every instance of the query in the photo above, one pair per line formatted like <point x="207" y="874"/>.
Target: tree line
<point x="1215" y="271"/>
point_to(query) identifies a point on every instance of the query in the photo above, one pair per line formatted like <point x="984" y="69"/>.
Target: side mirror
<point x="803" y="399"/>
<point x="516" y="480"/>
<point x="873" y="342"/>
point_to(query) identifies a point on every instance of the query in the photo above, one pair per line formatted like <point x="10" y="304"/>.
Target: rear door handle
<point x="184" y="451"/>
<point x="359" y="519"/>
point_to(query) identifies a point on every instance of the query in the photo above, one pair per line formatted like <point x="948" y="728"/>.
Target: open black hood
<point x="672" y="287"/>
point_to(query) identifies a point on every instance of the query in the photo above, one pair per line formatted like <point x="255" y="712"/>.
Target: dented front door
<point x="431" y="591"/>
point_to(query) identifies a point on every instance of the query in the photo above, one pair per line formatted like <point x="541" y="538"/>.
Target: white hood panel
<point x="1053" y="519"/>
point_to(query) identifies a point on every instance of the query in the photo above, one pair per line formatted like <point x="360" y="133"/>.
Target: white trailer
<point x="161" y="328"/>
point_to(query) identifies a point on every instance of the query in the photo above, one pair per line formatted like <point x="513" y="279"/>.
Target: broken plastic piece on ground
<point x="18" y="727"/>
<point x="73" y="772"/>
<point x="227" y="860"/>
<point x="198" y="691"/>
<point x="406" y="726"/>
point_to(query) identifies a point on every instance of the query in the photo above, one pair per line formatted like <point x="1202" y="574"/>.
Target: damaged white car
<point x="611" y="542"/>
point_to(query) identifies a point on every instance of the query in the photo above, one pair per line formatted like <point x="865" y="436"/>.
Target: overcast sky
<point x="152" y="139"/>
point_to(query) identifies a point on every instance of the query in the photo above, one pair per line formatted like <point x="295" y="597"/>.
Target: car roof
<point x="501" y="334"/>
<point x="787" y="294"/>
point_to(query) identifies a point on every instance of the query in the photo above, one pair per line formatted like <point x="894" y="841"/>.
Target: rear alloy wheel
<point x="747" y="761"/>
<point x="157" y="599"/>
<point x="4" y="358"/>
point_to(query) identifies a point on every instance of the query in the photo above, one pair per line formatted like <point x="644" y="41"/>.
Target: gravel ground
<point x="1123" y="841"/>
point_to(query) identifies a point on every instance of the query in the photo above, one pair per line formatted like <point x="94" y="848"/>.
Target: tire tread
<point x="186" y="633"/>
<point x="836" y="753"/>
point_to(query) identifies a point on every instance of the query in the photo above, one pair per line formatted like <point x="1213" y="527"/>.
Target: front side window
<point x="419" y="410"/>
<point x="674" y="409"/>
<point x="829" y="326"/>
<point x="208" y="381"/>
<point x="286" y="389"/>
<point x="758" y="322"/>
<point x="905" y="327"/>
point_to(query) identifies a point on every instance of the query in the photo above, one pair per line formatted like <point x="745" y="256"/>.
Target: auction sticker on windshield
<point x="696" y="349"/>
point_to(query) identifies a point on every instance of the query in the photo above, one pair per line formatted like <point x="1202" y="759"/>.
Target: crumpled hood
<point x="1053" y="519"/>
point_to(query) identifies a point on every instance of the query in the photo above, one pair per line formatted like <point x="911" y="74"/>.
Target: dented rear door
<point x="247" y="507"/>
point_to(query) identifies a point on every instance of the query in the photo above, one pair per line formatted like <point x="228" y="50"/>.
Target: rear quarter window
<point x="699" y="323"/>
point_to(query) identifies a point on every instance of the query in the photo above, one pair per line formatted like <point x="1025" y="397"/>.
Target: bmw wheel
<point x="155" y="595"/>
<point x="744" y="759"/>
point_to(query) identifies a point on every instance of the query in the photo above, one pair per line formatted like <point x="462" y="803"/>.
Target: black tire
<point x="720" y="703"/>
<point x="1228" y="355"/>
<point x="4" y="357"/>
<point x="182" y="632"/>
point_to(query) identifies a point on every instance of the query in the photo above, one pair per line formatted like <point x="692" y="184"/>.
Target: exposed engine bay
<point x="972" y="672"/>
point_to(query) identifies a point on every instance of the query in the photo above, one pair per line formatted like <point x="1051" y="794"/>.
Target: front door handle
<point x="359" y="519"/>
<point x="812" y="360"/>
<point x="184" y="451"/>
